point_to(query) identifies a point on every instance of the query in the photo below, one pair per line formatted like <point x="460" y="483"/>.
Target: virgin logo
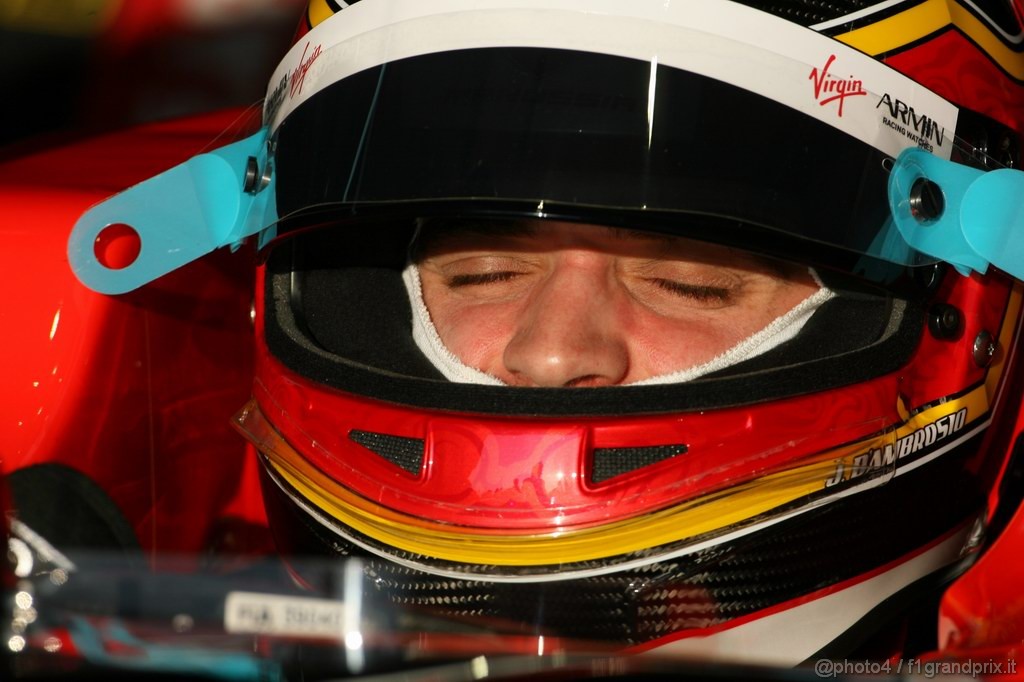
<point x="298" y="76"/>
<point x="828" y="88"/>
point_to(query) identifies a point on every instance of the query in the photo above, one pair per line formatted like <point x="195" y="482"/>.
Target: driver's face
<point x="560" y="304"/>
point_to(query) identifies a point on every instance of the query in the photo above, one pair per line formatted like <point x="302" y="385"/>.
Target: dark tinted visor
<point x="551" y="131"/>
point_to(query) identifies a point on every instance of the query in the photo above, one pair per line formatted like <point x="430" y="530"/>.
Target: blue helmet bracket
<point x="212" y="200"/>
<point x="964" y="216"/>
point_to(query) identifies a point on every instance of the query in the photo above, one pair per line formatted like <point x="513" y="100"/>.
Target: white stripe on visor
<point x="754" y="50"/>
<point x="777" y="332"/>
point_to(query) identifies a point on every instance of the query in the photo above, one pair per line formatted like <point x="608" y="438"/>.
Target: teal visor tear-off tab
<point x="932" y="225"/>
<point x="178" y="216"/>
<point x="967" y="217"/>
<point x="993" y="219"/>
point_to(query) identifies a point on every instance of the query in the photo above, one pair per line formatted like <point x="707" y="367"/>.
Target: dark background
<point x="76" y="67"/>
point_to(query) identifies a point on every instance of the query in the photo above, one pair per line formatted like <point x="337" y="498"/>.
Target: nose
<point x="570" y="333"/>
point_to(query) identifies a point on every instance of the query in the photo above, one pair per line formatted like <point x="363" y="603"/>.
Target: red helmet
<point x="779" y="506"/>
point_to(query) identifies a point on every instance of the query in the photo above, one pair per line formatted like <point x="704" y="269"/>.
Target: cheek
<point x="662" y="345"/>
<point x="475" y="333"/>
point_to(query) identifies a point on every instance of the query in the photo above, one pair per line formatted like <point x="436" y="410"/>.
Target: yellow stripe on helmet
<point x="899" y="30"/>
<point x="318" y="11"/>
<point x="505" y="548"/>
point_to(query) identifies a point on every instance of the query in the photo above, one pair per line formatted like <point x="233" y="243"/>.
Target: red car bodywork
<point x="136" y="391"/>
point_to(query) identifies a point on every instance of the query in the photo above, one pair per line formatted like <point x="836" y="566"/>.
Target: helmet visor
<point x="559" y="132"/>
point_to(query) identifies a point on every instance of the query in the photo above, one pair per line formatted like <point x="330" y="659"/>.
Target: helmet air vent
<point x="406" y="453"/>
<point x="611" y="462"/>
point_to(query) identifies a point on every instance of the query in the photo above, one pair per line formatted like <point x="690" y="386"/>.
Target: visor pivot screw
<point x="926" y="200"/>
<point x="984" y="349"/>
<point x="945" y="321"/>
<point x="255" y="181"/>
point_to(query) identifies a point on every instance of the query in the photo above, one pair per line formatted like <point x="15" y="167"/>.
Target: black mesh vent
<point x="810" y="12"/>
<point x="404" y="452"/>
<point x="611" y="462"/>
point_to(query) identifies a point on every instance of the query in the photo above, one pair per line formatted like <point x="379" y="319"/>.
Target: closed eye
<point x="456" y="281"/>
<point x="695" y="292"/>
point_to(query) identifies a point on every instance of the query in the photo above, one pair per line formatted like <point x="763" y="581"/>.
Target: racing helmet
<point x="779" y="507"/>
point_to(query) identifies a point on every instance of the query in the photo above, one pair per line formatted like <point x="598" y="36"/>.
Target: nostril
<point x="590" y="380"/>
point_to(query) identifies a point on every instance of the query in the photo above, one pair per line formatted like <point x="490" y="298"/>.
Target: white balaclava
<point x="777" y="332"/>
